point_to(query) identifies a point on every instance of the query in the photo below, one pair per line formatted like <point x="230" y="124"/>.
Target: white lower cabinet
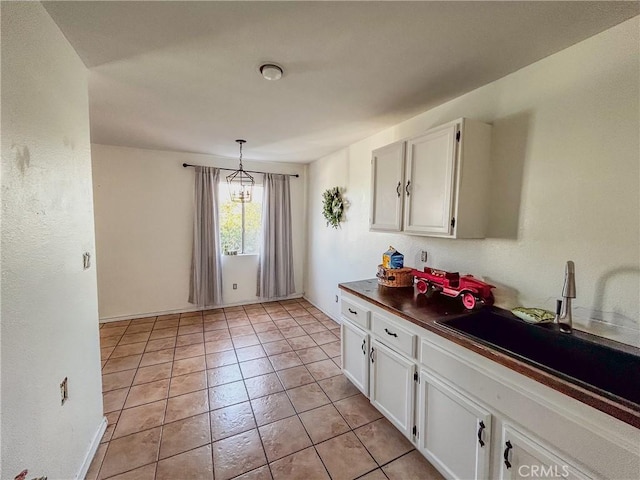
<point x="392" y="386"/>
<point x="454" y="431"/>
<point x="382" y="372"/>
<point x="468" y="418"/>
<point x="355" y="355"/>
<point x="523" y="457"/>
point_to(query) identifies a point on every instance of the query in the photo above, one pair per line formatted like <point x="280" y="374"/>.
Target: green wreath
<point x="332" y="206"/>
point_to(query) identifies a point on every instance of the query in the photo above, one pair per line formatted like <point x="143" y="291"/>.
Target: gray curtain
<point x="275" y="271"/>
<point x="205" y="288"/>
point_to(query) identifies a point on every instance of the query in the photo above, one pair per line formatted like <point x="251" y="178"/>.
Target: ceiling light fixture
<point x="240" y="182"/>
<point x="271" y="71"/>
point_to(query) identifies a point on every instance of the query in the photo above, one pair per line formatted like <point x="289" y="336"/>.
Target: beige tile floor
<point x="251" y="392"/>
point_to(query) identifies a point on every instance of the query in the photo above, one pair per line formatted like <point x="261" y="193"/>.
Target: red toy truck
<point x="470" y="289"/>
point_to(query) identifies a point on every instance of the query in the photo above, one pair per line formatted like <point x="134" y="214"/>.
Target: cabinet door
<point x="454" y="431"/>
<point x="355" y="355"/>
<point x="387" y="188"/>
<point x="431" y="169"/>
<point x="523" y="457"/>
<point x="392" y="386"/>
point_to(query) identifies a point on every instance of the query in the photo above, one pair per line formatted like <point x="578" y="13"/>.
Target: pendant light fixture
<point x="240" y="182"/>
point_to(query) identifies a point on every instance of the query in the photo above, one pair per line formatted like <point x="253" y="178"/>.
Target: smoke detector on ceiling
<point x="271" y="71"/>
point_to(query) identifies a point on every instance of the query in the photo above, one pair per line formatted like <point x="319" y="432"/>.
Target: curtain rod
<point x="185" y="165"/>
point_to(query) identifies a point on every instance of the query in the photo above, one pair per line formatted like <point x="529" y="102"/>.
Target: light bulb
<point x="271" y="72"/>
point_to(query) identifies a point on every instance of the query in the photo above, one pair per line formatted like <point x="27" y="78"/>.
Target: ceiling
<point x="184" y="76"/>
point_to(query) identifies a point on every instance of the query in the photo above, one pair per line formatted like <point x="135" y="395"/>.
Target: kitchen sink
<point x="578" y="357"/>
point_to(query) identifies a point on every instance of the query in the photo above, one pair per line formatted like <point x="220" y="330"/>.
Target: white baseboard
<point x="93" y="448"/>
<point x="276" y="299"/>
<point x="117" y="318"/>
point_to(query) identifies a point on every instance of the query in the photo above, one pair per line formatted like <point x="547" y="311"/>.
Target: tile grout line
<point x="166" y="406"/>
<point x="264" y="450"/>
<point x="331" y="402"/>
<point x="157" y="461"/>
<point x="268" y="464"/>
<point x="313" y="444"/>
<point x="127" y="396"/>
<point x="260" y="344"/>
<point x="137" y="367"/>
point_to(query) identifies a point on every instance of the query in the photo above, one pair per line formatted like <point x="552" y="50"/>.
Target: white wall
<point x="565" y="186"/>
<point x="49" y="303"/>
<point x="144" y="223"/>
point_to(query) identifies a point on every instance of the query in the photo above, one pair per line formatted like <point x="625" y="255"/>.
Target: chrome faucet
<point x="563" y="318"/>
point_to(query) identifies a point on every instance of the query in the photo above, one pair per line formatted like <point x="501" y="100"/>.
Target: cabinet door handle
<point x="353" y="312"/>
<point x="371" y="355"/>
<point x="398" y="189"/>
<point x="391" y="333"/>
<point x="364" y="350"/>
<point x="406" y="189"/>
<point x="508" y="446"/>
<point x="481" y="427"/>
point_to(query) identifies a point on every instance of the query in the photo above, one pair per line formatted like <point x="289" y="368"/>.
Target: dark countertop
<point x="424" y="312"/>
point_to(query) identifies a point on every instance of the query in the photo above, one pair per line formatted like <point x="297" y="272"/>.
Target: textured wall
<point x="144" y="227"/>
<point x="565" y="186"/>
<point x="49" y="303"/>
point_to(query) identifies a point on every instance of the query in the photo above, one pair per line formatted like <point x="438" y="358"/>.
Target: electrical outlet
<point x="64" y="392"/>
<point x="235" y="286"/>
<point x="423" y="256"/>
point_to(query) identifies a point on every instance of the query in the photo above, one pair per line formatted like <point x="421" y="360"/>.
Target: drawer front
<point x="355" y="313"/>
<point x="393" y="335"/>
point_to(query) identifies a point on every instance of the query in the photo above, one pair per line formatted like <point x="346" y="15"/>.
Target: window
<point x="240" y="223"/>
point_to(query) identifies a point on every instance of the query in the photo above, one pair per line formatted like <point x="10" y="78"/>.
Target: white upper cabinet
<point x="434" y="184"/>
<point x="387" y="181"/>
<point x="431" y="164"/>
